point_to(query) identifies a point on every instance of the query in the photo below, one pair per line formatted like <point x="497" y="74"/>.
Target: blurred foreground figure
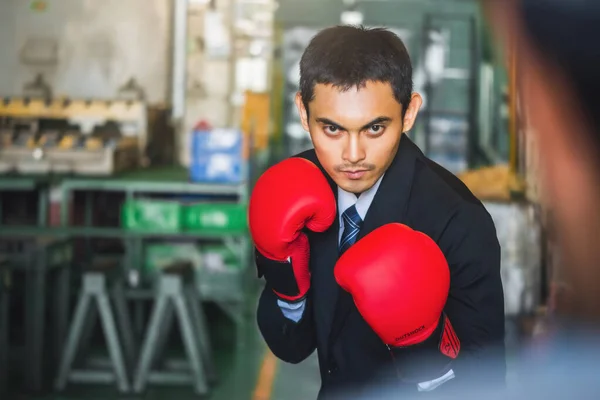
<point x="558" y="64"/>
<point x="559" y="83"/>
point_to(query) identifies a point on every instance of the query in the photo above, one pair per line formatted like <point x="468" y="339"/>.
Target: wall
<point x="8" y="64"/>
<point x="100" y="45"/>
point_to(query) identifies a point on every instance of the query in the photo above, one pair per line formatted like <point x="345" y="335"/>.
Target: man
<point x="417" y="248"/>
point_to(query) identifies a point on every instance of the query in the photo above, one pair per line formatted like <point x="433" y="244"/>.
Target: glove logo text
<point x="419" y="329"/>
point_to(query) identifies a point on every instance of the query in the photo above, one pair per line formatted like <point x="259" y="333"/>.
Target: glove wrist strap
<point x="429" y="359"/>
<point x="280" y="277"/>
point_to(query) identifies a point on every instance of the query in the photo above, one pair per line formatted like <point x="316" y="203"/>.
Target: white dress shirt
<point x="294" y="311"/>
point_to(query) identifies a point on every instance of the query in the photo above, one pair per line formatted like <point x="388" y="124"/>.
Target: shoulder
<point x="434" y="182"/>
<point x="309" y="155"/>
<point x="441" y="202"/>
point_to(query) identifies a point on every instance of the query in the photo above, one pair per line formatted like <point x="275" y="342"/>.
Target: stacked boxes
<point x="149" y="215"/>
<point x="221" y="218"/>
<point x="163" y="216"/>
<point x="217" y="156"/>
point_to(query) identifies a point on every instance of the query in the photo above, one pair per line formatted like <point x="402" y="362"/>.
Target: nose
<point x="354" y="151"/>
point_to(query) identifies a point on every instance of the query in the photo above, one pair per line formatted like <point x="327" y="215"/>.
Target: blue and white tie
<point x="352" y="225"/>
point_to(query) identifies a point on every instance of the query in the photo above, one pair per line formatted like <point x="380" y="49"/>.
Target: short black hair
<point x="350" y="56"/>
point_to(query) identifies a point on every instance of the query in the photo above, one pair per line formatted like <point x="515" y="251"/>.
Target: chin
<point x="355" y="186"/>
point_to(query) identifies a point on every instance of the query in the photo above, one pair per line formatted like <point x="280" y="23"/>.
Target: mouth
<point x="355" y="174"/>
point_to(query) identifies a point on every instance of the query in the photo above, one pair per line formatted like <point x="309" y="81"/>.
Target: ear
<point x="302" y="111"/>
<point x="410" y="116"/>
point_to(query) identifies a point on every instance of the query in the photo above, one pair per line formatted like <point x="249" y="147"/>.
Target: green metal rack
<point x="154" y="181"/>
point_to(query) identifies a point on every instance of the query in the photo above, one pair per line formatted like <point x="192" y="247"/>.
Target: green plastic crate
<point x="152" y="215"/>
<point x="219" y="218"/>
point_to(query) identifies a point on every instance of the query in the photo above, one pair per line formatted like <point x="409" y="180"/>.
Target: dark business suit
<point x="419" y="193"/>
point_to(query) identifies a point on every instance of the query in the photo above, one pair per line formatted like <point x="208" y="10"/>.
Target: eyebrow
<point x="378" y="120"/>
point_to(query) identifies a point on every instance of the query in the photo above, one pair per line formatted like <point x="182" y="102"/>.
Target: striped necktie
<point x="352" y="225"/>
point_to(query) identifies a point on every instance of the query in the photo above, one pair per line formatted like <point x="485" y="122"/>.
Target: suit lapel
<point x="389" y="205"/>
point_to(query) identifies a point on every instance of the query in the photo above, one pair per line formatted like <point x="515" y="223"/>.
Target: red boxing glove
<point x="399" y="280"/>
<point x="288" y="197"/>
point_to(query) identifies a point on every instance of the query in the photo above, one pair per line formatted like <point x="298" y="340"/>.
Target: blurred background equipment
<point x="131" y="133"/>
<point x="295" y="26"/>
<point x="454" y="71"/>
<point x="72" y="136"/>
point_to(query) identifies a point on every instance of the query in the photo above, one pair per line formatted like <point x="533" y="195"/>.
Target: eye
<point x="376" y="129"/>
<point x="331" y="129"/>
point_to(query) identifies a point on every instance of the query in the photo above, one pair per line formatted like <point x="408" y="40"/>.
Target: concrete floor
<point x="297" y="382"/>
<point x="247" y="373"/>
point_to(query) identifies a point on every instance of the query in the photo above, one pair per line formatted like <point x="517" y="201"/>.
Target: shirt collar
<point x="347" y="199"/>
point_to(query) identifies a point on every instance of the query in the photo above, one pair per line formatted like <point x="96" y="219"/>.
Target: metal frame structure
<point x="102" y="287"/>
<point x="176" y="296"/>
<point x="231" y="301"/>
<point x="44" y="263"/>
<point x="5" y="277"/>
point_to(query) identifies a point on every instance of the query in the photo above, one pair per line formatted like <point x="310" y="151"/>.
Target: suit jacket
<point x="421" y="194"/>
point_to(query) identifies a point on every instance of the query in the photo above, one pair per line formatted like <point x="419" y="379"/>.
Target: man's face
<point x="356" y="132"/>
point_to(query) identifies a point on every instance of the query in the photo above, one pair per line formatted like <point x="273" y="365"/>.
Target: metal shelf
<point x="97" y="232"/>
<point x="18" y="183"/>
<point x="154" y="187"/>
<point x="165" y="181"/>
<point x="152" y="180"/>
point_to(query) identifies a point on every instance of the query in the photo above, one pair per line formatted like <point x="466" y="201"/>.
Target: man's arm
<point x="290" y="341"/>
<point x="277" y="221"/>
<point x="475" y="304"/>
